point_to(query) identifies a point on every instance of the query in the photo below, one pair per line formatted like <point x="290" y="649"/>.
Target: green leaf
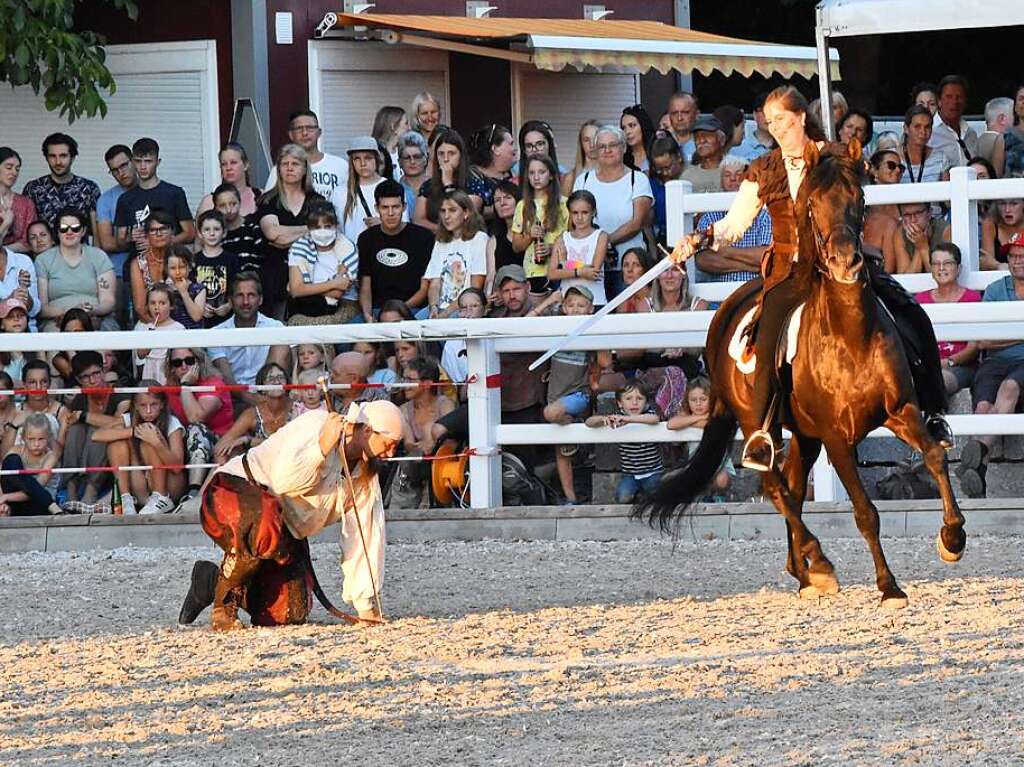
<point x="21" y="55"/>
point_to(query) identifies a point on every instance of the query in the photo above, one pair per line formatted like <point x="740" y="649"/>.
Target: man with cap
<point x="261" y="507"/>
<point x="524" y="401"/>
<point x="710" y="140"/>
<point x="1000" y="377"/>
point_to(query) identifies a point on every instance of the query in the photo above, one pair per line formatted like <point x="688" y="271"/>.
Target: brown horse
<point x="850" y="376"/>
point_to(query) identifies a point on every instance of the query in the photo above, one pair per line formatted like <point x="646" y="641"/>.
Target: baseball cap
<point x="581" y="289"/>
<point x="510" y="272"/>
<point x="10" y="305"/>
<point x="708" y="123"/>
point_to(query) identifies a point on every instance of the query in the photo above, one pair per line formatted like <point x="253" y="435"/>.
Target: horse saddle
<point x="787" y="344"/>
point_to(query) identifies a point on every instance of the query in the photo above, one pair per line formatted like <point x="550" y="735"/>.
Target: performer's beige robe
<point x="314" y="494"/>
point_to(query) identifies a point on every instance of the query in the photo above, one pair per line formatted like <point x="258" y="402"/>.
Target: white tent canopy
<point x="846" y="18"/>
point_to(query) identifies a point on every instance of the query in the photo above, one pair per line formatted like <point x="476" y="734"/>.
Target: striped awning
<point x="605" y="45"/>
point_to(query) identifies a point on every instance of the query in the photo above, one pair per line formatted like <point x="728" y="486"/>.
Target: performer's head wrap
<point x="381" y="416"/>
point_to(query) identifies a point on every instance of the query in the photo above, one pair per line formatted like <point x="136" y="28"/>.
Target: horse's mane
<point x="834" y="169"/>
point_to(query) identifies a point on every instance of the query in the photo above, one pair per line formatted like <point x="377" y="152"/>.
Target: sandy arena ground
<point x="526" y="654"/>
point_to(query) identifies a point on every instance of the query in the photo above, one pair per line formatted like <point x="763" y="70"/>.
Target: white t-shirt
<point x="329" y="174"/>
<point x="454" y="360"/>
<point x="455" y="263"/>
<point x="581" y="252"/>
<point x="615" y="205"/>
<point x="328" y="263"/>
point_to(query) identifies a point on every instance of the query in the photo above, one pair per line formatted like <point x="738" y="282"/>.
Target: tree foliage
<point x="40" y="47"/>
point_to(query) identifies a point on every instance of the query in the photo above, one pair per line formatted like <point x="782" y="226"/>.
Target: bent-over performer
<point x="261" y="507"/>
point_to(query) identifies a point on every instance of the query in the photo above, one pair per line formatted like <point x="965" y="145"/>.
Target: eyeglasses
<point x="411" y="157"/>
<point x="304" y="128"/>
<point x="177" y="362"/>
<point x="490" y="134"/>
<point x="608" y="147"/>
<point x="273" y="379"/>
<point x="159" y="229"/>
<point x="89" y="375"/>
<point x="120" y="168"/>
<point x="70" y="228"/>
<point x="893" y="165"/>
<point x="944" y="264"/>
<point x="536" y="146"/>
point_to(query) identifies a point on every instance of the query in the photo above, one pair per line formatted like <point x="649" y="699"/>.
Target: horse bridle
<point x="822" y="241"/>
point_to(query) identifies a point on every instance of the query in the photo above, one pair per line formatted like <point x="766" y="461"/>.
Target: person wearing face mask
<point x="322" y="270"/>
<point x="263" y="506"/>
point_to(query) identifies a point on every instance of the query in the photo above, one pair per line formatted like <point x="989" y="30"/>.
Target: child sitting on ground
<point x="695" y="415"/>
<point x="26" y="494"/>
<point x="640" y="462"/>
<point x="569" y="386"/>
<point x="309" y="399"/>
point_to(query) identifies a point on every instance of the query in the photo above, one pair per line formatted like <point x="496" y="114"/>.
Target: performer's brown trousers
<point x="265" y="569"/>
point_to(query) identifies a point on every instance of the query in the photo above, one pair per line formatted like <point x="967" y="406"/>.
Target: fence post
<point x="678" y="223"/>
<point x="964" y="217"/>
<point x="484" y="403"/>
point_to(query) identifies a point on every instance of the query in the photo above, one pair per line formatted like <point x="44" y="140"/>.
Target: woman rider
<point x="774" y="180"/>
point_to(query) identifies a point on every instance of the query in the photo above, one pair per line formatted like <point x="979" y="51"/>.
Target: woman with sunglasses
<point x="149" y="267"/>
<point x="273" y="409"/>
<point x="206" y="417"/>
<point x="73" y="275"/>
<point x="880" y="221"/>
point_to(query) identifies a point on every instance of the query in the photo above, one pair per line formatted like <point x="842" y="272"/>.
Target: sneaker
<point x="101" y="508"/>
<point x="77" y="507"/>
<point x="157" y="504"/>
<point x="128" y="505"/>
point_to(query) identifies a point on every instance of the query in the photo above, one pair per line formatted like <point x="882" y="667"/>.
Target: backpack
<point x="519" y="487"/>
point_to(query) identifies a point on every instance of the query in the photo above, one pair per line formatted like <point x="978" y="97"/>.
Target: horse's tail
<point x="678" y="489"/>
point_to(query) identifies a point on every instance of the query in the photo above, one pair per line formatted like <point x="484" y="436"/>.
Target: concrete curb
<point x="728" y="521"/>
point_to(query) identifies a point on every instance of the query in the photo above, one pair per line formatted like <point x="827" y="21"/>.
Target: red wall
<point x="161" y="22"/>
<point x="287" y="63"/>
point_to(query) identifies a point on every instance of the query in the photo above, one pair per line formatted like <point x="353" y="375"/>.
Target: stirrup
<point x="938" y="429"/>
<point x="759" y="451"/>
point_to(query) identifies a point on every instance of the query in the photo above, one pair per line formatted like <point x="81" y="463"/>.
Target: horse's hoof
<point x="895" y="601"/>
<point x="950" y="556"/>
<point x="826" y="583"/>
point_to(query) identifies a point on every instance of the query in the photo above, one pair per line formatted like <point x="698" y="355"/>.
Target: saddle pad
<point x="737" y="344"/>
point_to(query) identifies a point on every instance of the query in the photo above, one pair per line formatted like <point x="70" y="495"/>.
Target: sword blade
<point x="649" y="276"/>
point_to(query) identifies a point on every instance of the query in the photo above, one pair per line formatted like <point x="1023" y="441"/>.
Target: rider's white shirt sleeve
<point x="740" y="217"/>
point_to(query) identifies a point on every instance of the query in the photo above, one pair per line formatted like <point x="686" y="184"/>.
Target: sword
<point x="649" y="276"/>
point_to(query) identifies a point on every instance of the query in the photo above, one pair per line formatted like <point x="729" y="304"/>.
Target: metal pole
<point x="824" y="78"/>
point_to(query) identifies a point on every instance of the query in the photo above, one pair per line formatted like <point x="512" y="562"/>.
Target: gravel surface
<point x="627" y="653"/>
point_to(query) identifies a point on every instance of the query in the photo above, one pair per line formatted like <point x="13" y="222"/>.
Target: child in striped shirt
<point x="640" y="462"/>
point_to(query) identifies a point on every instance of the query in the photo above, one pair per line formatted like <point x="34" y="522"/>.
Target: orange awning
<point x="605" y="45"/>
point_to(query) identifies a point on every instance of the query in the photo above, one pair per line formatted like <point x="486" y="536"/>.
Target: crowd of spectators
<point x="417" y="222"/>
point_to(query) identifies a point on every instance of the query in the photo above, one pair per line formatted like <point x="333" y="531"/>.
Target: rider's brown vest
<point x="769" y="173"/>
